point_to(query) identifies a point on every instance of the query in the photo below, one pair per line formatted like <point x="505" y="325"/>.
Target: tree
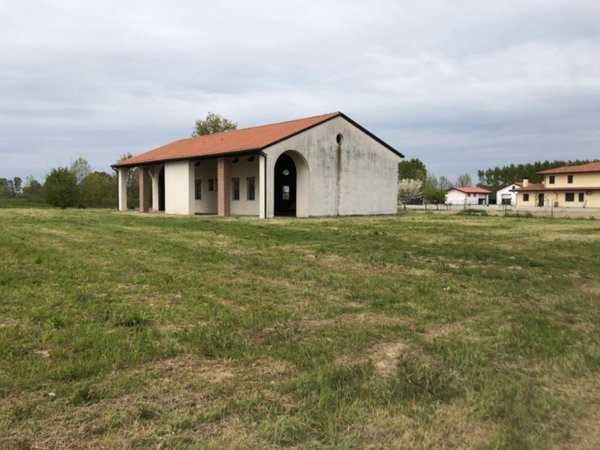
<point x="464" y="180"/>
<point x="434" y="190"/>
<point x="32" y="188"/>
<point x="98" y="190"/>
<point x="412" y="169"/>
<point x="81" y="168"/>
<point x="60" y="187"/>
<point x="409" y="190"/>
<point x="17" y="183"/>
<point x="213" y="123"/>
<point x="444" y="183"/>
<point x="4" y="189"/>
<point x="10" y="188"/>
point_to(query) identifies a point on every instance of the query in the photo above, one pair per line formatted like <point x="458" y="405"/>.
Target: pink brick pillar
<point x="223" y="183"/>
<point x="144" y="194"/>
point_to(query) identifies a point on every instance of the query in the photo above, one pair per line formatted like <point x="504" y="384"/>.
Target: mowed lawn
<point x="418" y="331"/>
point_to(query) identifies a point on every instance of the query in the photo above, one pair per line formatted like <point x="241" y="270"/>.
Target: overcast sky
<point x="461" y="85"/>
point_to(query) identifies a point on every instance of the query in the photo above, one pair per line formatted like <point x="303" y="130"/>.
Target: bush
<point x="472" y="212"/>
<point x="60" y="188"/>
<point x="98" y="190"/>
<point x="519" y="215"/>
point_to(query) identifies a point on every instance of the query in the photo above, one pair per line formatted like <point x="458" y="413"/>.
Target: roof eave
<point x="190" y="158"/>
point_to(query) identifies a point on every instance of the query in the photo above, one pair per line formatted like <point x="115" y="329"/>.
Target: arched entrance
<point x="161" y="189"/>
<point x="285" y="186"/>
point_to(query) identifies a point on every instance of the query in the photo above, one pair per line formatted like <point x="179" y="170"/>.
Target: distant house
<point x="567" y="186"/>
<point x="324" y="165"/>
<point x="467" y="196"/>
<point x="508" y="195"/>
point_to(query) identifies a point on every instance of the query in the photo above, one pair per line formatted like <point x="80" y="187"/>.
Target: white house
<point x="324" y="165"/>
<point x="508" y="195"/>
<point x="467" y="196"/>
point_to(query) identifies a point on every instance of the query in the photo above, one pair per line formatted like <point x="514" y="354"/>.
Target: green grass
<point x="22" y="202"/>
<point x="420" y="331"/>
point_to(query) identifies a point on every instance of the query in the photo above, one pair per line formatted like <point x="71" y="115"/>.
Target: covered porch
<point x="214" y="186"/>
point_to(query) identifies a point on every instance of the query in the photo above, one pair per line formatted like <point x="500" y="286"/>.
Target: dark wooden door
<point x="285" y="186"/>
<point x="161" y="190"/>
<point x="541" y="200"/>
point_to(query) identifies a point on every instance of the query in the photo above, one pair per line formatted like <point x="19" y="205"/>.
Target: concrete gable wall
<point x="363" y="181"/>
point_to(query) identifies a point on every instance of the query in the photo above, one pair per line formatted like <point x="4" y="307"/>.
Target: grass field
<point x="419" y="331"/>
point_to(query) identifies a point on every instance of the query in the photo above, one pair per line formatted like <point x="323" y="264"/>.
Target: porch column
<point x="122" y="194"/>
<point x="262" y="185"/>
<point x="144" y="195"/>
<point x="155" y="194"/>
<point x="223" y="183"/>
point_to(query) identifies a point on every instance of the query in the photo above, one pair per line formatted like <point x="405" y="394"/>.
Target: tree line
<point x="76" y="185"/>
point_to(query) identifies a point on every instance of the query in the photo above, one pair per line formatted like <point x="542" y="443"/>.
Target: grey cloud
<point x="462" y="85"/>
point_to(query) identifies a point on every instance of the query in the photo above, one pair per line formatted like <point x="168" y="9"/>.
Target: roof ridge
<point x="328" y="115"/>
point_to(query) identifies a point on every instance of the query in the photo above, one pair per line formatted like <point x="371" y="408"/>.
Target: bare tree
<point x="464" y="181"/>
<point x="409" y="190"/>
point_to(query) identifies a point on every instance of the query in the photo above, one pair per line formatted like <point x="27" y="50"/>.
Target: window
<point x="525" y="197"/>
<point x="198" y="190"/>
<point x="570" y="179"/>
<point x="569" y="197"/>
<point x="581" y="197"/>
<point x="250" y="191"/>
<point x="235" y="188"/>
<point x="211" y="184"/>
<point x="551" y="179"/>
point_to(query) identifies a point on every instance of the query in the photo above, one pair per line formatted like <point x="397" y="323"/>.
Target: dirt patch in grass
<point x="352" y="318"/>
<point x="448" y="426"/>
<point x="587" y="433"/>
<point x="6" y="322"/>
<point x="384" y="357"/>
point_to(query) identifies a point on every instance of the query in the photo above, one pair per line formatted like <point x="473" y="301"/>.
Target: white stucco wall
<point x="367" y="174"/>
<point x="205" y="171"/>
<point x="506" y="191"/>
<point x="179" y="187"/>
<point x="242" y="170"/>
<point x="454" y="197"/>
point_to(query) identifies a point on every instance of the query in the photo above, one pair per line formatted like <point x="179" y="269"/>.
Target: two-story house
<point x="567" y="186"/>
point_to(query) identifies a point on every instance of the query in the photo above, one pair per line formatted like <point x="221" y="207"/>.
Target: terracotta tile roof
<point x="235" y="141"/>
<point x="470" y="190"/>
<point x="533" y="187"/>
<point x="589" y="167"/>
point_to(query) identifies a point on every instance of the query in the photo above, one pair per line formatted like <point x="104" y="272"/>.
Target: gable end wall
<point x="364" y="181"/>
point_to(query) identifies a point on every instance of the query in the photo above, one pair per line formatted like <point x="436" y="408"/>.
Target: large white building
<point x="318" y="166"/>
<point x="467" y="196"/>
